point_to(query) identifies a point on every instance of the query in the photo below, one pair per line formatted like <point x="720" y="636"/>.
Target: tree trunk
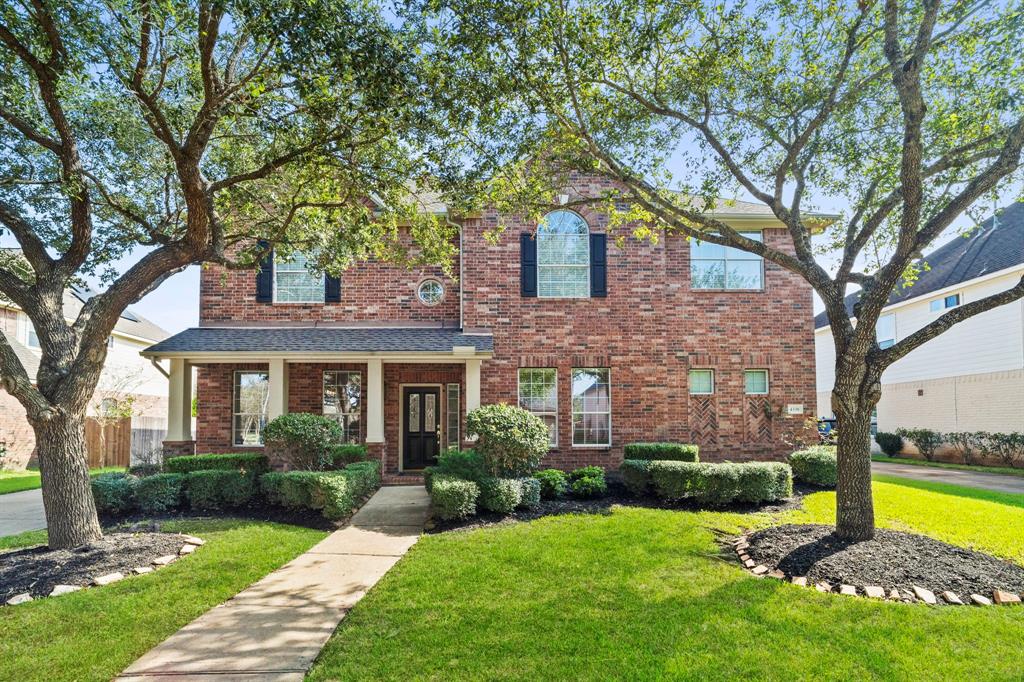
<point x="71" y="518"/>
<point x="855" y="512"/>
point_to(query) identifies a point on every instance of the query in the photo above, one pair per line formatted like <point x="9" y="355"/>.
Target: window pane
<point x="293" y="283"/>
<point x="953" y="301"/>
<point x="756" y="381"/>
<point x="885" y="330"/>
<point x="342" y="401"/>
<point x="936" y="305"/>
<point x="538" y="394"/>
<point x="699" y="249"/>
<point x="702" y="381"/>
<point x="565" y="281"/>
<point x="743" y="274"/>
<point x="430" y="413"/>
<point x="591" y="406"/>
<point x="414" y="412"/>
<point x="563" y="256"/>
<point x="707" y="274"/>
<point x="452" y="415"/>
<point x="251" y="394"/>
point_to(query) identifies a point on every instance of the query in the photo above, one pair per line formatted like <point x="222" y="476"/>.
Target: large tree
<point x="182" y="132"/>
<point x="909" y="114"/>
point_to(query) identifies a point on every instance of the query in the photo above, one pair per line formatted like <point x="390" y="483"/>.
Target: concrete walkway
<point x="1002" y="483"/>
<point x="21" y="511"/>
<point x="274" y="629"/>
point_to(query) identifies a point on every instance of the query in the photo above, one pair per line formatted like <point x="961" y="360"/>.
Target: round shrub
<point x="159" y="492"/>
<point x="501" y="495"/>
<point x="890" y="443"/>
<point x="815" y="466"/>
<point x="305" y="440"/>
<point x="676" y="452"/>
<point x="529" y="493"/>
<point x="114" y="492"/>
<point x="453" y="498"/>
<point x="511" y="440"/>
<point x="553" y="483"/>
<point x="342" y="454"/>
<point x="588" y="482"/>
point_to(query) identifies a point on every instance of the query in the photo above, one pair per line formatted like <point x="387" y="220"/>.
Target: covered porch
<point x="404" y="393"/>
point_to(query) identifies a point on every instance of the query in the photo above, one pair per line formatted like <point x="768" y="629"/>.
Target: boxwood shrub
<point x="501" y="495"/>
<point x="718" y="484"/>
<point x="334" y="493"/>
<point x="159" y="493"/>
<point x="343" y="454"/>
<point x="465" y="464"/>
<point x="252" y="463"/>
<point x="553" y="483"/>
<point x="636" y="476"/>
<point x="816" y="466"/>
<point x="218" y="488"/>
<point x="676" y="452"/>
<point x="890" y="443"/>
<point x="453" y="498"/>
<point x="529" y="493"/>
<point x="511" y="440"/>
<point x="114" y="492"/>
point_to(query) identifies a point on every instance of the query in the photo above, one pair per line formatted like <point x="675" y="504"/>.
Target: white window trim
<point x="572" y="414"/>
<point x="234" y="387"/>
<point x="725" y="261"/>
<point x="323" y="292"/>
<point x="519" y="397"/>
<point x="587" y="266"/>
<point x="690" y="385"/>
<point x="767" y="381"/>
<point x="893" y="338"/>
<point x="361" y="437"/>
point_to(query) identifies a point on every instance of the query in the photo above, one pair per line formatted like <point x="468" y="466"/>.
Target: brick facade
<point x="649" y="331"/>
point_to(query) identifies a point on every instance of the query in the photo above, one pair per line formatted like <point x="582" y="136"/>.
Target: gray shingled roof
<point x="205" y="340"/>
<point x="29" y="360"/>
<point x="996" y="245"/>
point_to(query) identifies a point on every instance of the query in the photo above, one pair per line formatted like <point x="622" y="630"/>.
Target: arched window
<point x="563" y="256"/>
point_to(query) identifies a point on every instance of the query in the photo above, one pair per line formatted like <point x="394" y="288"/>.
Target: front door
<point x="421" y="416"/>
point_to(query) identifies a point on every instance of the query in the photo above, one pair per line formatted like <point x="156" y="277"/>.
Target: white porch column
<point x="472" y="385"/>
<point x="278" y="399"/>
<point x="179" y="401"/>
<point x="374" y="400"/>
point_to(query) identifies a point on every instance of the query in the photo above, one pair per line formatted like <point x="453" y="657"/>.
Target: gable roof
<point x="997" y="244"/>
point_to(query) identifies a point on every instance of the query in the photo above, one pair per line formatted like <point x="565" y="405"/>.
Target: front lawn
<point x="16" y="481"/>
<point x="94" y="634"/>
<point x="643" y="594"/>
<point x="1009" y="471"/>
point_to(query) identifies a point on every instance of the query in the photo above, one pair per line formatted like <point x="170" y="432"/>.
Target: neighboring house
<point x="125" y="373"/>
<point x="971" y="378"/>
<point x="651" y="341"/>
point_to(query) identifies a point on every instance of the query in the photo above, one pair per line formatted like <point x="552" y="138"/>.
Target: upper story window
<point x="31" y="338"/>
<point x="723" y="267"/>
<point x="563" y="256"/>
<point x="430" y="292"/>
<point x="294" y="283"/>
<point x="885" y="331"/>
<point x="951" y="301"/>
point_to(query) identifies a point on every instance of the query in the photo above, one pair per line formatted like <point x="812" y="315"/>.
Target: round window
<point x="431" y="292"/>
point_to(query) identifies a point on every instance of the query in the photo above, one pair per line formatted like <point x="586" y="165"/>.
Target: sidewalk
<point x="21" y="511"/>
<point x="274" y="629"/>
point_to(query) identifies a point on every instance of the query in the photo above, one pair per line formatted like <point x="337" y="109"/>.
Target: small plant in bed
<point x="588" y="482"/>
<point x="553" y="483"/>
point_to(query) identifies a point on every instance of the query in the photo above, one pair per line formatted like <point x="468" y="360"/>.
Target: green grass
<point x="16" y="481"/>
<point x="1010" y="471"/>
<point x="94" y="634"/>
<point x="643" y="594"/>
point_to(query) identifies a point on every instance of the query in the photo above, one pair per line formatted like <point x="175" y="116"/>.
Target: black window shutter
<point x="527" y="265"/>
<point x="598" y="265"/>
<point x="265" y="276"/>
<point x="332" y="289"/>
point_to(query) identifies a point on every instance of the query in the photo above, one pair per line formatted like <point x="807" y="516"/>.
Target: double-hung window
<point x="755" y="382"/>
<point x="591" y="407"/>
<point x="343" y="394"/>
<point x="563" y="256"/>
<point x="249" y="409"/>
<point x="885" y="331"/>
<point x="538" y="394"/>
<point x="722" y="267"/>
<point x="702" y="381"/>
<point x="294" y="283"/>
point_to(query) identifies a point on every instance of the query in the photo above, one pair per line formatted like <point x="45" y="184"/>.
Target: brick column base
<point x="178" y="448"/>
<point x="375" y="451"/>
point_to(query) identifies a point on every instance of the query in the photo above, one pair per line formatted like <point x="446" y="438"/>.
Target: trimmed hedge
<point x="553" y="483"/>
<point x="453" y="498"/>
<point x="636" y="475"/>
<point x="718" y="484"/>
<point x="218" y="488"/>
<point x="252" y="463"/>
<point x="890" y="443"/>
<point x="465" y="464"/>
<point x="529" y="493"/>
<point x="335" y="493"/>
<point x="344" y="454"/>
<point x="501" y="495"/>
<point x="676" y="452"/>
<point x="816" y="466"/>
<point x="114" y="492"/>
<point x="159" y="492"/>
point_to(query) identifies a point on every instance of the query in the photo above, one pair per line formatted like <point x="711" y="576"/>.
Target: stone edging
<point x="919" y="594"/>
<point x="192" y="543"/>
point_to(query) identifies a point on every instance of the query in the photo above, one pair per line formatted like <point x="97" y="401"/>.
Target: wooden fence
<point x="109" y="445"/>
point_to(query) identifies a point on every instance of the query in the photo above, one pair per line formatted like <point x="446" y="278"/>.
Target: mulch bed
<point x="891" y="559"/>
<point x="37" y="570"/>
<point x="306" y="518"/>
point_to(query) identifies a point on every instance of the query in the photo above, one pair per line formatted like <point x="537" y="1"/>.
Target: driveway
<point x="22" y="511"/>
<point x="1000" y="483"/>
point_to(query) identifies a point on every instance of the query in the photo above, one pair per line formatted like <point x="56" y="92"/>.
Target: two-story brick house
<point x="670" y="340"/>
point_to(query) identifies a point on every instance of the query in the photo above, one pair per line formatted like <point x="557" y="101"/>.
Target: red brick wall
<point x="16" y="434"/>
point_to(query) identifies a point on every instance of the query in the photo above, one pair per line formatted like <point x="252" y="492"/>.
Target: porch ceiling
<point x="322" y="341"/>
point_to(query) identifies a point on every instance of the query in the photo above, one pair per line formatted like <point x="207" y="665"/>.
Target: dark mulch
<point x="306" y="518"/>
<point x="891" y="559"/>
<point x="617" y="495"/>
<point x="37" y="570"/>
